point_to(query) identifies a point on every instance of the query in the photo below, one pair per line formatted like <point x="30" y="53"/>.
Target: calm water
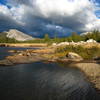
<point x="41" y="81"/>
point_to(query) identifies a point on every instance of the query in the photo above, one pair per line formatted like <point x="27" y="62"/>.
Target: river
<point x="43" y="81"/>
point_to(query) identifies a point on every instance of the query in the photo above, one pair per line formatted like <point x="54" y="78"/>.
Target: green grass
<point x="86" y="53"/>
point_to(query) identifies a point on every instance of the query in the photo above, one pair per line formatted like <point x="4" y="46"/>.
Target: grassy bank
<point x="86" y="53"/>
<point x="23" y="44"/>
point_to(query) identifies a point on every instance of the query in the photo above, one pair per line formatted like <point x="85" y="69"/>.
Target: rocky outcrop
<point x="17" y="35"/>
<point x="74" y="56"/>
<point x="88" y="43"/>
<point x="6" y="62"/>
<point x="26" y="56"/>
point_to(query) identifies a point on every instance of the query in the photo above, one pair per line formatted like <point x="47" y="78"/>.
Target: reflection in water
<point x="39" y="81"/>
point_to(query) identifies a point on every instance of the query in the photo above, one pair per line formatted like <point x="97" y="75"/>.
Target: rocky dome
<point x="20" y="36"/>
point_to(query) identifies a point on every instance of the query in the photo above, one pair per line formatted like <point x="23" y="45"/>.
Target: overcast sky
<point x="61" y="17"/>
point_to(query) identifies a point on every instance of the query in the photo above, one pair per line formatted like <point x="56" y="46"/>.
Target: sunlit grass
<point x="86" y="53"/>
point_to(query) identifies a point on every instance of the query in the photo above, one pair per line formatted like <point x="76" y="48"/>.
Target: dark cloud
<point x="38" y="17"/>
<point x="7" y="23"/>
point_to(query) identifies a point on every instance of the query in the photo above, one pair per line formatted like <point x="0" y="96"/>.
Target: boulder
<point x="54" y="44"/>
<point x="74" y="56"/>
<point x="91" y="41"/>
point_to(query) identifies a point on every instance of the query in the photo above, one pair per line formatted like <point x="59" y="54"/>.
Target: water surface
<point x="42" y="81"/>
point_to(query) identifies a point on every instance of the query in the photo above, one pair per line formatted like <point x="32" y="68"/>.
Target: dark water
<point x="41" y="81"/>
<point x="4" y="51"/>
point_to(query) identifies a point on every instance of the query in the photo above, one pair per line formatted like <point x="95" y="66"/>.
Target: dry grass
<point x="87" y="52"/>
<point x="25" y="44"/>
<point x="92" y="71"/>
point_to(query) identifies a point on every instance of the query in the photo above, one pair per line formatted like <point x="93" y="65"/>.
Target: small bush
<point x="86" y="53"/>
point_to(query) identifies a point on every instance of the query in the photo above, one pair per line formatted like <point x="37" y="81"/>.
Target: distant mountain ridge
<point x="18" y="35"/>
<point x="86" y="33"/>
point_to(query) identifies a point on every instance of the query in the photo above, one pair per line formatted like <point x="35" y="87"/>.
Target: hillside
<point x="17" y="35"/>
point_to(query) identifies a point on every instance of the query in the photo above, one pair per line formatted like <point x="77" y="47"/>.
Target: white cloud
<point x="60" y="12"/>
<point x="78" y="15"/>
<point x="62" y="7"/>
<point x="4" y="10"/>
<point x="16" y="13"/>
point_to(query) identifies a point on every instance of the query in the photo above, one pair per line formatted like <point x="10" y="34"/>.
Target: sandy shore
<point x="92" y="71"/>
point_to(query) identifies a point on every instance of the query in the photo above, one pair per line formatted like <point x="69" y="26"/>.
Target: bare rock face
<point x="20" y="36"/>
<point x="74" y="56"/>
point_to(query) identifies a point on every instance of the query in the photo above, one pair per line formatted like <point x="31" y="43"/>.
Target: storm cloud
<point x="60" y="17"/>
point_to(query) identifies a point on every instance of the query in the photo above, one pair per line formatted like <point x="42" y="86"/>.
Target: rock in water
<point x="17" y="35"/>
<point x="74" y="56"/>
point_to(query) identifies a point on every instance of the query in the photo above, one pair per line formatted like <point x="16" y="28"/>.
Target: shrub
<point x="86" y="53"/>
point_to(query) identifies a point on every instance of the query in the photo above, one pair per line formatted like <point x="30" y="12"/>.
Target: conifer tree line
<point x="95" y="35"/>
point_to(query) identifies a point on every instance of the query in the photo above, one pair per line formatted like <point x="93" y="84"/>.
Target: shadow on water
<point x="40" y="81"/>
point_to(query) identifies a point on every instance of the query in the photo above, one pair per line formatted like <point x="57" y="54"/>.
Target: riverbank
<point x="91" y="68"/>
<point x="92" y="71"/>
<point x="23" y="45"/>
